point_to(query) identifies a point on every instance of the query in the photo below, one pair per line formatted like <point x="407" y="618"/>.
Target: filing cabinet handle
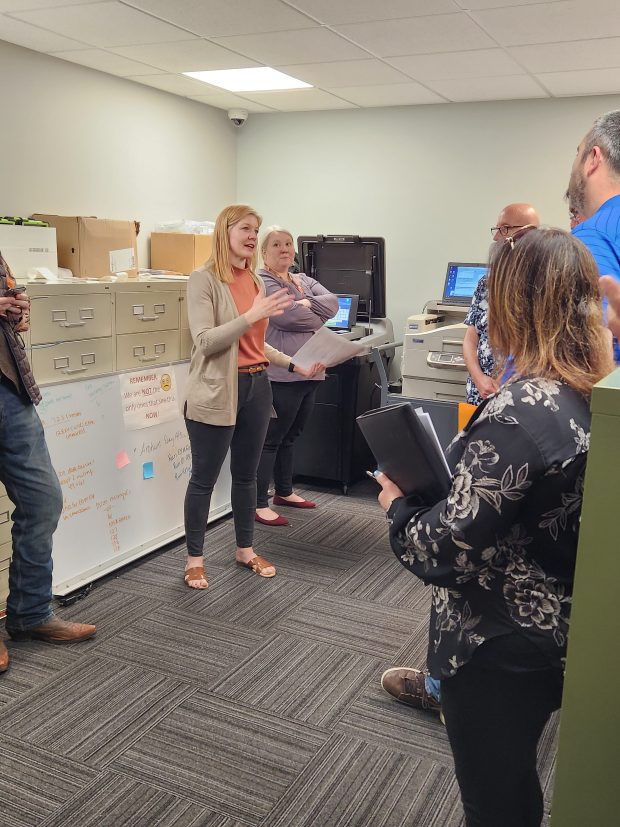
<point x="147" y="358"/>
<point x="149" y="318"/>
<point x="71" y="324"/>
<point x="74" y="370"/>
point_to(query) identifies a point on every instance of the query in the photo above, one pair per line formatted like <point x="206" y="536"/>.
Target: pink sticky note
<point x="122" y="459"/>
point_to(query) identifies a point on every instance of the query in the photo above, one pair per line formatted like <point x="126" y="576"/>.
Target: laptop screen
<point x="346" y="316"/>
<point x="461" y="282"/>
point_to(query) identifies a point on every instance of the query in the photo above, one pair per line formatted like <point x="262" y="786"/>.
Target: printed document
<point x="328" y="348"/>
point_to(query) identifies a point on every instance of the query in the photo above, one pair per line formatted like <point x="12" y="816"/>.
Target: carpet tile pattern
<point x="255" y="703"/>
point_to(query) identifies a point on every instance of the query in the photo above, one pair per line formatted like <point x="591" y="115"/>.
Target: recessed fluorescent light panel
<point x="261" y="79"/>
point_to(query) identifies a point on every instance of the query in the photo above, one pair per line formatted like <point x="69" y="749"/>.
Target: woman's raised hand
<point x="265" y="306"/>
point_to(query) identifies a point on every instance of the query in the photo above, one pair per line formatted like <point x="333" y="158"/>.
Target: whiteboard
<point x="123" y="489"/>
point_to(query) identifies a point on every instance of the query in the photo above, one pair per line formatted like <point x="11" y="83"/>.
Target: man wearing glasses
<point x="476" y="348"/>
<point x="594" y="191"/>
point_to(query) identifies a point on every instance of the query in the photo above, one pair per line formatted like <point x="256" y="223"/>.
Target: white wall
<point x="430" y="179"/>
<point x="75" y="141"/>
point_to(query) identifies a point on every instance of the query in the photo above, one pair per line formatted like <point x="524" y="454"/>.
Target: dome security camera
<point x="238" y="116"/>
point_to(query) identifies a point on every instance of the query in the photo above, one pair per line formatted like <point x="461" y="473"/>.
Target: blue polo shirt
<point x="601" y="235"/>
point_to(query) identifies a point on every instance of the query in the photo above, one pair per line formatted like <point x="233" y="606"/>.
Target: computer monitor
<point x="346" y="316"/>
<point x="461" y="282"/>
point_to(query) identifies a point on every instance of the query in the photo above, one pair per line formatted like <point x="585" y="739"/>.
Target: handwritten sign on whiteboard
<point x="149" y="397"/>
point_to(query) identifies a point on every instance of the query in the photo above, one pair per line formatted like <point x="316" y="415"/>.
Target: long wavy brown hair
<point x="219" y="262"/>
<point x="545" y="309"/>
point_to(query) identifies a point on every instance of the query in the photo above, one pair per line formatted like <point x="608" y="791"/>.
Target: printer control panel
<point x="440" y="359"/>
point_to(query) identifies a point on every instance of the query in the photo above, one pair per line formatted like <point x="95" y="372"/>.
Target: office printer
<point x="332" y="446"/>
<point x="433" y="366"/>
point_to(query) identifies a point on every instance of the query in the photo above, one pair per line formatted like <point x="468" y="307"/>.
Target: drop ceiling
<point x="355" y="53"/>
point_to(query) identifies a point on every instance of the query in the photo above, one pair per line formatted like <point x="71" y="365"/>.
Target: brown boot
<point x="56" y="630"/>
<point x="4" y="657"/>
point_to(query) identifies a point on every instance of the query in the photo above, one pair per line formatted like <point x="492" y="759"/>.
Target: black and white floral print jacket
<point x="500" y="550"/>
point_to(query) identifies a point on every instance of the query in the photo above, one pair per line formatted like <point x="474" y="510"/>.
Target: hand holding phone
<point x="373" y="474"/>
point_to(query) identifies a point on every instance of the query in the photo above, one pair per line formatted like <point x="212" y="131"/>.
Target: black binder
<point x="405" y="452"/>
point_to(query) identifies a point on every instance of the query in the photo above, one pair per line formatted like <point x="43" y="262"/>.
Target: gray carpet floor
<point x="256" y="703"/>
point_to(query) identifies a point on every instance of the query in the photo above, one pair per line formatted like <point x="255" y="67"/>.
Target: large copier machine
<point x="331" y="446"/>
<point x="432" y="364"/>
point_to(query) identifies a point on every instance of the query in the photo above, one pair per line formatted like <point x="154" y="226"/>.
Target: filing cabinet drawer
<point x="6" y="551"/>
<point x="66" y="318"/>
<point x="6" y="509"/>
<point x="4" y="584"/>
<point x="186" y="344"/>
<point x="146" y="311"/>
<point x="146" y="349"/>
<point x="72" y="360"/>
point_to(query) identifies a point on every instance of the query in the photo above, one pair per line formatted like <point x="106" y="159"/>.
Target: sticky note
<point x="122" y="459"/>
<point x="148" y="471"/>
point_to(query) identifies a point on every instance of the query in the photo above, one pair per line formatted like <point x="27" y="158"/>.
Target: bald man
<point x="476" y="348"/>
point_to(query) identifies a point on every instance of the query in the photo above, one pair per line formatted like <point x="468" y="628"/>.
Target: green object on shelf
<point x="24" y="222"/>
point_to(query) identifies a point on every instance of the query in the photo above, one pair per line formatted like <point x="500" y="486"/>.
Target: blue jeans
<point x="433" y="687"/>
<point x="32" y="485"/>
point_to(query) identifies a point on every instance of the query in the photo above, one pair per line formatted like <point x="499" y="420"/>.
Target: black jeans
<point x="495" y="708"/>
<point x="293" y="402"/>
<point x="210" y="444"/>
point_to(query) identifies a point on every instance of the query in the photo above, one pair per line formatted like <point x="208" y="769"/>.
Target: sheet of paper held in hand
<point x="328" y="348"/>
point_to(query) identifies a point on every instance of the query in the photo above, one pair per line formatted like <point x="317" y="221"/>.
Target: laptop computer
<point x="346" y="317"/>
<point x="461" y="282"/>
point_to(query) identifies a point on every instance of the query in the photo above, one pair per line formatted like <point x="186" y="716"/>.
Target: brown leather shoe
<point x="4" y="657"/>
<point x="56" y="630"/>
<point x="408" y="687"/>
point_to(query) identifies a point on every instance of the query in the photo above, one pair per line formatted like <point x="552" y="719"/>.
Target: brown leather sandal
<point x="258" y="565"/>
<point x="196" y="573"/>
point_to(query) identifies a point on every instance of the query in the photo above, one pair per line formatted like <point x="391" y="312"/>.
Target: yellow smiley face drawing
<point x="166" y="382"/>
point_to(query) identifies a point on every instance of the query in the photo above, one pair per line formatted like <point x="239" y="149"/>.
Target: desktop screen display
<point x="346" y="316"/>
<point x="461" y="282"/>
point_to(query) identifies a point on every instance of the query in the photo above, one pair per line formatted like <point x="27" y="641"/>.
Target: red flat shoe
<point x="276" y="520"/>
<point x="302" y="504"/>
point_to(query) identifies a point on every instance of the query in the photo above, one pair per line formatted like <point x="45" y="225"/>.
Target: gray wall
<point x="430" y="179"/>
<point x="75" y="141"/>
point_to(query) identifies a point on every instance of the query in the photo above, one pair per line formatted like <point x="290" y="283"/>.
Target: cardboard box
<point x="181" y="252"/>
<point x="27" y="247"/>
<point x="95" y="247"/>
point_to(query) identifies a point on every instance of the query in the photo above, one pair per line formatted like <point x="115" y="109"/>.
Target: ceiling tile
<point x="358" y="11"/>
<point x="403" y="94"/>
<point x="592" y="82"/>
<point x="226" y="100"/>
<point x="177" y="84"/>
<point x="472" y="5"/>
<point x="345" y="73"/>
<point x="487" y="89"/>
<point x="213" y="18"/>
<point x="104" y="24"/>
<point x="418" y="35"/>
<point x="301" y="46"/>
<point x="551" y="22"/>
<point x="566" y="57"/>
<point x="23" y="34"/>
<point x="300" y="100"/>
<point x="21" y="5"/>
<point x="457" y="65"/>
<point x="107" y="62"/>
<point x="188" y="56"/>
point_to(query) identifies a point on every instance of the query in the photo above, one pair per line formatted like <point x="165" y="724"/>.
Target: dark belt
<point x="252" y="368"/>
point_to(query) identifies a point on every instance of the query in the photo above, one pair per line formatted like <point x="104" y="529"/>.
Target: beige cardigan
<point x="216" y="327"/>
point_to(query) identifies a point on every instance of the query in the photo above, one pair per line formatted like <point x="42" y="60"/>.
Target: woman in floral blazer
<point x="500" y="551"/>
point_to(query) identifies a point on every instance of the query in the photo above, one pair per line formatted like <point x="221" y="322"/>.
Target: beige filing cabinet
<point x="81" y="329"/>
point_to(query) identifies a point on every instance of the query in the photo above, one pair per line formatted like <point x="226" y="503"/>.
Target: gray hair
<point x="605" y="133"/>
<point x="269" y="231"/>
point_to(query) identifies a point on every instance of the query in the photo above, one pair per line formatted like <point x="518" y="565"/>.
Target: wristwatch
<point x="291" y="367"/>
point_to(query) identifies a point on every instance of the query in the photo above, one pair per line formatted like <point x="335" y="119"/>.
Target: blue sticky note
<point x="148" y="471"/>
